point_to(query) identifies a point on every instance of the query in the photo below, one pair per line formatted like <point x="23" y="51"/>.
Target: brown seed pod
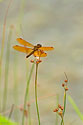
<point x="55" y="110"/>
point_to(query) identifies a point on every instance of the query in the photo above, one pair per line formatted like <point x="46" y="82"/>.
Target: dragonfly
<point x="36" y="50"/>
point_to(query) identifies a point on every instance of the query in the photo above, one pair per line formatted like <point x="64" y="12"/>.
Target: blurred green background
<point x="57" y="23"/>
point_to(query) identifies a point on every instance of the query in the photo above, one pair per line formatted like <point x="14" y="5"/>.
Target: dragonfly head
<point x="39" y="45"/>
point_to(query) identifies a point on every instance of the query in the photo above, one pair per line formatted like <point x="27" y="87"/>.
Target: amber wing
<point x="46" y="48"/>
<point x="23" y="49"/>
<point x="23" y="42"/>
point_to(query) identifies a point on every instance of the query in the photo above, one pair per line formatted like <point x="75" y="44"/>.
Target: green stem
<point x="62" y="121"/>
<point x="6" y="72"/>
<point x="57" y="102"/>
<point x="15" y="87"/>
<point x="26" y="93"/>
<point x="29" y="116"/>
<point x="36" y="94"/>
<point x="64" y="103"/>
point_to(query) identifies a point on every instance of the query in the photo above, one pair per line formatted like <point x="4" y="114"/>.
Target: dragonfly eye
<point x="39" y="45"/>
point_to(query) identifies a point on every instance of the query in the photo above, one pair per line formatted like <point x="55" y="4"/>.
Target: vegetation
<point x="8" y="110"/>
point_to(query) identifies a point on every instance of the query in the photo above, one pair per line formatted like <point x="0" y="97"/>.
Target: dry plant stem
<point x="36" y="94"/>
<point x="4" y="26"/>
<point x="3" y="40"/>
<point x="12" y="108"/>
<point x="26" y="93"/>
<point x="3" y="36"/>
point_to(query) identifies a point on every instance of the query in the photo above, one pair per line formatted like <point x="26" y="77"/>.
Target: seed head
<point x="26" y="113"/>
<point x="38" y="61"/>
<point x="32" y="61"/>
<point x="66" y="89"/>
<point x="66" y="80"/>
<point x="59" y="106"/>
<point x="63" y="84"/>
<point x="60" y="113"/>
<point x="62" y="107"/>
<point x="55" y="110"/>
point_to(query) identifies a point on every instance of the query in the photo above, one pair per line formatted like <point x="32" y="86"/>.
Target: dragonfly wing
<point x="23" y="42"/>
<point x="40" y="54"/>
<point x="23" y="49"/>
<point x="46" y="48"/>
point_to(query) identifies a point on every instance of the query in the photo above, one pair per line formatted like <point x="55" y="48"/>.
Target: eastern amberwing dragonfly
<point x="37" y="51"/>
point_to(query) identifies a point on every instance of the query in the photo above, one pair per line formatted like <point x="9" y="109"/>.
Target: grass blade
<point x="75" y="107"/>
<point x="6" y="71"/>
